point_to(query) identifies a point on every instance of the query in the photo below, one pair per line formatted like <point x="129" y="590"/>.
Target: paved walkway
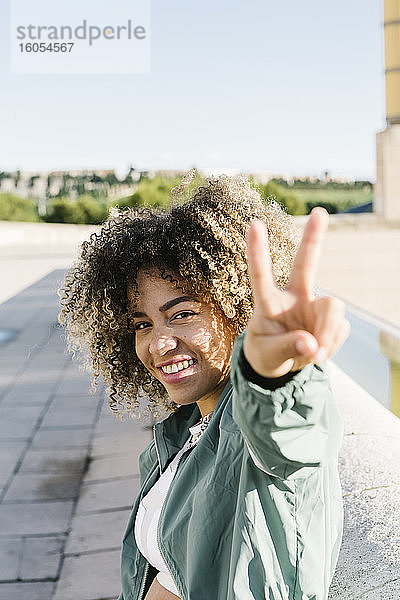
<point x="68" y="468"/>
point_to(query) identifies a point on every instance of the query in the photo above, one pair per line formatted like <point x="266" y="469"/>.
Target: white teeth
<point x="179" y="366"/>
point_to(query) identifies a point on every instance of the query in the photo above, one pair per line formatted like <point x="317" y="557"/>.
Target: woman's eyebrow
<point x="175" y="301"/>
<point x="169" y="304"/>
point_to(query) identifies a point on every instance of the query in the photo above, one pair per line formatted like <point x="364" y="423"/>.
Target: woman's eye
<point x="183" y="314"/>
<point x="140" y="326"/>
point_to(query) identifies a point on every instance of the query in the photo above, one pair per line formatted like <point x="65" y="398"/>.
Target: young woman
<point x="191" y="310"/>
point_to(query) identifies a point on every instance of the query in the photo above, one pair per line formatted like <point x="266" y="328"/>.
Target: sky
<point x="291" y="87"/>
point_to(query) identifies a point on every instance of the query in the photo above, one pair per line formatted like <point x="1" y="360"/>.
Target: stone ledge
<point x="22" y="234"/>
<point x="369" y="560"/>
<point x="38" y="236"/>
<point x="357" y="221"/>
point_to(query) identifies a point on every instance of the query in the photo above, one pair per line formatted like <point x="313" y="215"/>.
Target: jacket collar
<point x="172" y="433"/>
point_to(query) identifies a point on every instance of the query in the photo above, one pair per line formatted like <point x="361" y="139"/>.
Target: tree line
<point x="92" y="206"/>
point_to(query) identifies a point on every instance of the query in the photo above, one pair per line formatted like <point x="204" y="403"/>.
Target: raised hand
<point x="291" y="328"/>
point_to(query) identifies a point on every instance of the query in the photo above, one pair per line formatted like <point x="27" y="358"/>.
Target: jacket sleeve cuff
<point x="265" y="382"/>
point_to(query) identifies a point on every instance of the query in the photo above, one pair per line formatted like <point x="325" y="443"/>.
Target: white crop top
<point x="149" y="510"/>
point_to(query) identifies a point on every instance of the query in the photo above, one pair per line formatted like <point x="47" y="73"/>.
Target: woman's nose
<point x="161" y="343"/>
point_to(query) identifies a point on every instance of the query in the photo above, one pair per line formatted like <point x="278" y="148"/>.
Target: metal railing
<point x="371" y="355"/>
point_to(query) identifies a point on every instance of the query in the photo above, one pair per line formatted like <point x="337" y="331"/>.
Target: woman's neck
<point x="208" y="403"/>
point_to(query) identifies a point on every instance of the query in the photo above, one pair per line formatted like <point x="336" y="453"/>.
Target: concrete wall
<point x="369" y="561"/>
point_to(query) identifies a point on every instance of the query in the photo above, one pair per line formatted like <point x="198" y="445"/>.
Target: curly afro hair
<point x="199" y="244"/>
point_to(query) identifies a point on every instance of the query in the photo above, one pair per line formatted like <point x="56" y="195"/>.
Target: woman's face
<point x="183" y="341"/>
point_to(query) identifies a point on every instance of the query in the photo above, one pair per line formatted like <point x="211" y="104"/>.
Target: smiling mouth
<point x="178" y="366"/>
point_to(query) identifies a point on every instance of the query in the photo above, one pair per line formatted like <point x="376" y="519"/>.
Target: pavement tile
<point x="47" y="376"/>
<point x="10" y="453"/>
<point x="75" y="385"/>
<point x="50" y="460"/>
<point x="5" y="473"/>
<point x="18" y="422"/>
<point x="34" y="331"/>
<point x="54" y="367"/>
<point x="97" y="531"/>
<point x="35" y="518"/>
<point x="111" y="467"/>
<point x="54" y="359"/>
<point x="10" y="365"/>
<point x="12" y="359"/>
<point x="74" y="416"/>
<point x="76" y="371"/>
<point x="27" y="591"/>
<point x="53" y="350"/>
<point x="45" y="387"/>
<point x="75" y="374"/>
<point x="131" y="443"/>
<point x="90" y="577"/>
<point x="11" y="351"/>
<point x="41" y="557"/>
<point x="6" y="381"/>
<point x="11" y="313"/>
<point x="3" y="391"/>
<point x="43" y="486"/>
<point x="107" y="495"/>
<point x="74" y="403"/>
<point x="16" y="397"/>
<point x="51" y="355"/>
<point x="111" y="426"/>
<point x="10" y="551"/>
<point x="10" y="449"/>
<point x="61" y="438"/>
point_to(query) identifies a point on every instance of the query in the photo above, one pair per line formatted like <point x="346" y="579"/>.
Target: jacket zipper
<point x="141" y="593"/>
<point x="155" y="443"/>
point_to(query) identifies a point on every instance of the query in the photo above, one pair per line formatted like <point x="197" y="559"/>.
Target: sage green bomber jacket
<point x="255" y="509"/>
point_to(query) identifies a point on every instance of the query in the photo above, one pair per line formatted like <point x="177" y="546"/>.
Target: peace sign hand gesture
<point x="291" y="328"/>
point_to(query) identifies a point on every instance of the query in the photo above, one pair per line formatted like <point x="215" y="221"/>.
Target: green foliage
<point x="301" y="199"/>
<point x="84" y="210"/>
<point x="94" y="211"/>
<point x="306" y="183"/>
<point x="14" y="208"/>
<point x="287" y="198"/>
<point x="339" y="199"/>
<point x="154" y="192"/>
<point x="91" y="207"/>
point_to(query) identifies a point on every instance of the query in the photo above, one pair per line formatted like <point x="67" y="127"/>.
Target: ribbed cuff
<point x="265" y="382"/>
